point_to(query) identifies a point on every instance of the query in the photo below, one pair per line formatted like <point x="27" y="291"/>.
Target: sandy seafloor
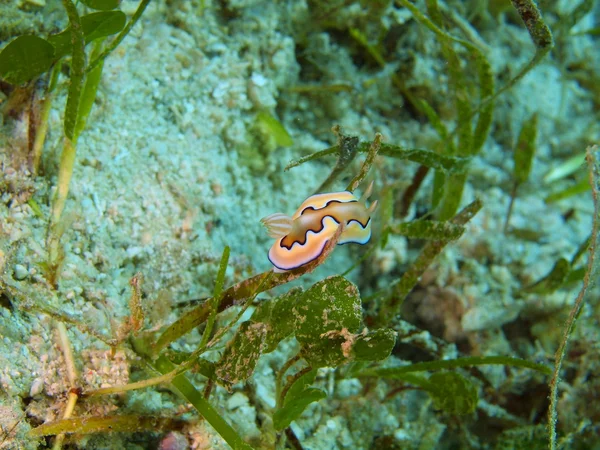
<point x="170" y="170"/>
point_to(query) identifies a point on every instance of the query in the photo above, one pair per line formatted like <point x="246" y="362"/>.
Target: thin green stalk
<point x="290" y="383"/>
<point x="107" y="424"/>
<point x="448" y="194"/>
<point x="75" y="120"/>
<point x="65" y="172"/>
<point x="191" y="360"/>
<point x="265" y="280"/>
<point x="124" y="32"/>
<point x="402" y="287"/>
<point x="72" y="398"/>
<point x="77" y="69"/>
<point x="136" y="319"/>
<point x="347" y="149"/>
<point x="42" y="131"/>
<point x="370" y="159"/>
<point x="216" y="298"/>
<point x="90" y="89"/>
<point x="470" y="143"/>
<point x="73" y="395"/>
<point x="279" y="380"/>
<point x="183" y="387"/>
<point x="540" y="35"/>
<point x="590" y="277"/>
<point x="523" y="155"/>
<point x="328" y="151"/>
<point x="165" y="378"/>
<point x="67" y="158"/>
<point x="238" y="292"/>
<point x="428" y="158"/>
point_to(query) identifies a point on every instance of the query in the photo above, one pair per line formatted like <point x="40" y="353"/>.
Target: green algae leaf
<point x="300" y="385"/>
<point x="77" y="75"/>
<point x="458" y="87"/>
<point x="565" y="168"/>
<point x="361" y="38"/>
<point x="218" y="289"/>
<point x="107" y="424"/>
<point x="242" y="353"/>
<point x="428" y="158"/>
<point x="450" y="391"/>
<point x="428" y="229"/>
<point x="101" y="5"/>
<point x="35" y="207"/>
<point x="527" y="234"/>
<point x="295" y="407"/>
<point x="202" y="366"/>
<point x="468" y="361"/>
<point x="315" y="88"/>
<point x="281" y="323"/>
<point x="102" y="24"/>
<point x="277" y="314"/>
<point x="25" y="58"/>
<point x="95" y="25"/>
<point x="386" y="212"/>
<point x="124" y="32"/>
<point x="375" y="345"/>
<point x="470" y="141"/>
<point x="243" y="290"/>
<point x="181" y="385"/>
<point x="581" y="250"/>
<point x="525" y="149"/>
<point x="486" y="90"/>
<point x="452" y="195"/>
<point x="540" y="35"/>
<point x="273" y="128"/>
<point x="554" y="280"/>
<point x="528" y="437"/>
<point x="325" y="318"/>
<point x="580" y="187"/>
<point x="590" y="31"/>
<point x="438" y="125"/>
<point x="575" y="16"/>
<point x="453" y="393"/>
<point x="437" y="190"/>
<point x="88" y="93"/>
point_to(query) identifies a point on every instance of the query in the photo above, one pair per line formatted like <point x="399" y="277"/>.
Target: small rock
<point x="174" y="441"/>
<point x="236" y="400"/>
<point x="36" y="387"/>
<point x="20" y="272"/>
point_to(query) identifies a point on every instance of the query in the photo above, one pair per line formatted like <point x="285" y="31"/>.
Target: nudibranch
<point x="301" y="238"/>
